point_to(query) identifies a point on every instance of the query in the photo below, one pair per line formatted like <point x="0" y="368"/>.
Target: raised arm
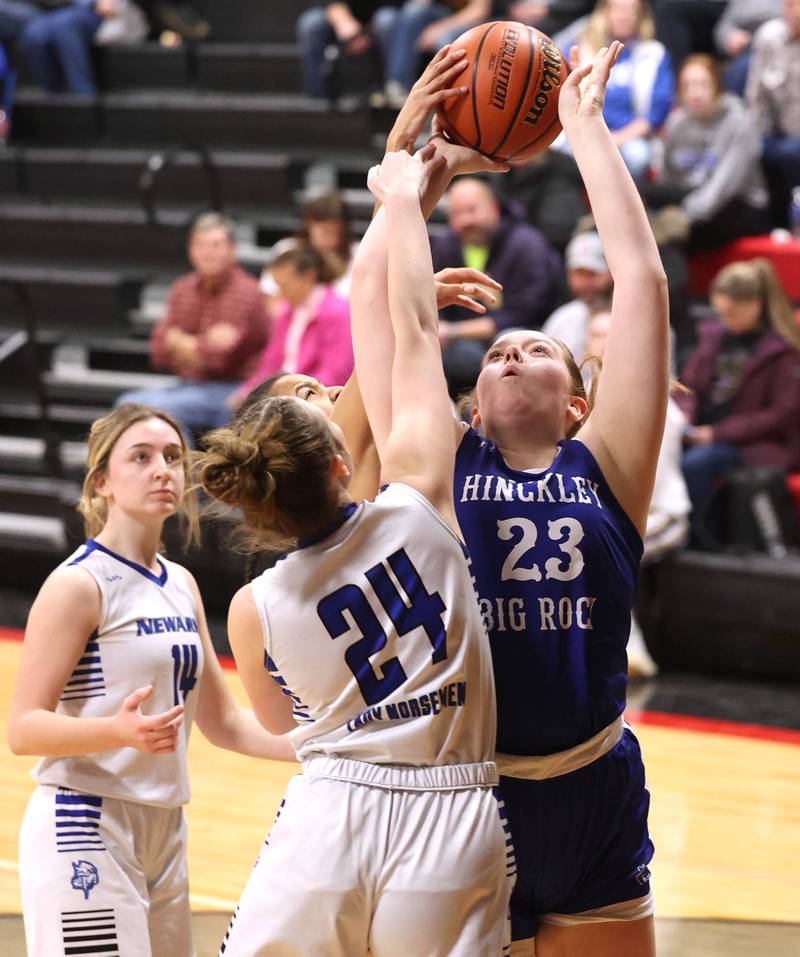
<point x="624" y="430"/>
<point x="420" y="447"/>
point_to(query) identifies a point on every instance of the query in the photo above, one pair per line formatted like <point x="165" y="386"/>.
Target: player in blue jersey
<point x="116" y="663"/>
<point x="365" y="643"/>
<point x="554" y="524"/>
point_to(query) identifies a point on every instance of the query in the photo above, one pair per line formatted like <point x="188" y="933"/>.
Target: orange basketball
<point x="511" y="110"/>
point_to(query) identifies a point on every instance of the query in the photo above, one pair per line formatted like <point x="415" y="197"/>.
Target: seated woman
<point x="744" y="378"/>
<point x="640" y="89"/>
<point x="711" y="165"/>
<point x="311" y="331"/>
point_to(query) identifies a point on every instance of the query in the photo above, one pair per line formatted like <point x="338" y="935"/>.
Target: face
<point x="308" y="389"/>
<point x="791" y="14"/>
<point x="585" y="284"/>
<point x="623" y="18"/>
<point x="598" y="334"/>
<point x="697" y="90"/>
<point x="524" y="376"/>
<point x="325" y="235"/>
<point x="293" y="286"/>
<point x="211" y="252"/>
<point x="343" y="468"/>
<point x="472" y="212"/>
<point x="737" y="315"/>
<point x="145" y="474"/>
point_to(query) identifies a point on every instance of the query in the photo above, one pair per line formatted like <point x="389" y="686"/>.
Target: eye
<point x="172" y="457"/>
<point x="494" y="354"/>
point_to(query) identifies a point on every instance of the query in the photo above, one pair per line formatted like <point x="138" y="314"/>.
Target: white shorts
<point x="103" y="877"/>
<point x="406" y="862"/>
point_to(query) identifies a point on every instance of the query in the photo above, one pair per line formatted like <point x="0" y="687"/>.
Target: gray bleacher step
<point x="190" y="119"/>
<point x="34" y="532"/>
<point x="78" y="382"/>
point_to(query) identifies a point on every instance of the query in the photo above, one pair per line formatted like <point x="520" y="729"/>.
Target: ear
<point x="101" y="485"/>
<point x="340" y="469"/>
<point x="476" y="418"/>
<point x="576" y="410"/>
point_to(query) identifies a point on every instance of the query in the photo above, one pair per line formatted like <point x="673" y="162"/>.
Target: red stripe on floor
<point x="661" y="719"/>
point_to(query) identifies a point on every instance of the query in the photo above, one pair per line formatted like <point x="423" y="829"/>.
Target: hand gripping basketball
<point x="401" y="173"/>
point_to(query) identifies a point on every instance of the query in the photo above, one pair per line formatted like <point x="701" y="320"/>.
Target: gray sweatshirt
<point x="744" y="15"/>
<point x="717" y="158"/>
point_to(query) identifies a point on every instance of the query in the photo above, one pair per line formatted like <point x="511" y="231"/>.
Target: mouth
<point x="164" y="492"/>
<point x="508" y="371"/>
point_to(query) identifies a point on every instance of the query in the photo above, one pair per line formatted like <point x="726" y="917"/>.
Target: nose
<point x="334" y="391"/>
<point x="513" y="353"/>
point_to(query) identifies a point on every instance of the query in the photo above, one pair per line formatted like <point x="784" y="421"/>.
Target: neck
<point x="132" y="539"/>
<point x="530" y="450"/>
<point x="209" y="283"/>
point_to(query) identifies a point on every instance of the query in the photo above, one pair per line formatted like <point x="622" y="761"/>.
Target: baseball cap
<point x="585" y="251"/>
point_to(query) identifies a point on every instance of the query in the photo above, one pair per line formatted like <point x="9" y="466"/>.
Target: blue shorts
<point x="580" y="839"/>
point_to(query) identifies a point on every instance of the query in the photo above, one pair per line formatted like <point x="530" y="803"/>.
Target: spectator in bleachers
<point x="588" y="279"/>
<point x="640" y="88"/>
<point x="711" y="164"/>
<point x="355" y="26"/>
<point x="733" y="35"/>
<point x="214" y="326"/>
<point x="311" y="333"/>
<point x="773" y="94"/>
<point x="686" y="26"/>
<point x="56" y="44"/>
<point x="8" y="82"/>
<point x="422" y="27"/>
<point x="667" y="527"/>
<point x="744" y="378"/>
<point x="181" y="20"/>
<point x="485" y="235"/>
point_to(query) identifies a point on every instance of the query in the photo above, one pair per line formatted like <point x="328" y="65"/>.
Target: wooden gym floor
<point x="725" y="819"/>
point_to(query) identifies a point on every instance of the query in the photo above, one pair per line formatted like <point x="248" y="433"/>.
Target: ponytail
<point x="756" y="279"/>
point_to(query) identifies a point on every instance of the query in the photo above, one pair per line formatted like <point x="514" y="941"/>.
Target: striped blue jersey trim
<point x="77" y="820"/>
<point x="299" y="711"/>
<point x="87" y="679"/>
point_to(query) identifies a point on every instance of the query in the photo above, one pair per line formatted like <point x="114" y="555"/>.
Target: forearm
<point x="479" y="328"/>
<point x="411" y="292"/>
<point x="617" y="207"/>
<point x="42" y="732"/>
<point x="241" y="731"/>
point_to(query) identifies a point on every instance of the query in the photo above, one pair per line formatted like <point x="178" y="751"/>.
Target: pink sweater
<point x="325" y="350"/>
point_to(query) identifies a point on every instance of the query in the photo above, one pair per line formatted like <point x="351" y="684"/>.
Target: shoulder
<point x="244" y="283"/>
<point x="771" y="33"/>
<point x="183" y="285"/>
<point x="73" y="587"/>
<point x="334" y="304"/>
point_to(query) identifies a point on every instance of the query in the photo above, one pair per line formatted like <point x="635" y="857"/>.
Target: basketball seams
<point x="475" y="85"/>
<point x="535" y="140"/>
<point x="534" y="49"/>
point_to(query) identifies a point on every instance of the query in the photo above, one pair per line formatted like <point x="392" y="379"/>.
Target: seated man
<point x="485" y="236"/>
<point x="214" y="328"/>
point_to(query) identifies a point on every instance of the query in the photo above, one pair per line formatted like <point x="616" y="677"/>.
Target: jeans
<point x="703" y="466"/>
<point x="403" y="57"/>
<point x="736" y="73"/>
<point x="197" y="406"/>
<point x="57" y="45"/>
<point x="462" y="363"/>
<point x="14" y="14"/>
<point x="781" y="162"/>
<point x="314" y="34"/>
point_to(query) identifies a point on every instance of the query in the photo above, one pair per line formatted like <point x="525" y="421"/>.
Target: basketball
<point x="511" y="110"/>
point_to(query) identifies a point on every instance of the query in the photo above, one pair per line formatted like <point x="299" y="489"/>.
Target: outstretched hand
<point x="584" y="90"/>
<point x="434" y="86"/>
<point x="462" y="286"/>
<point x="461" y="160"/>
<point x="400" y="173"/>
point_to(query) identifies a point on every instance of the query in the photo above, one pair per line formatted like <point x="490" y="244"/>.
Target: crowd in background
<point x="704" y="105"/>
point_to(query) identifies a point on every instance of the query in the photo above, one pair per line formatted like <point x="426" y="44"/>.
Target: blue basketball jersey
<point x="555" y="560"/>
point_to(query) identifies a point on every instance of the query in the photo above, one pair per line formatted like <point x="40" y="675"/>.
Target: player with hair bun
<point x="116" y="664"/>
<point x="365" y="644"/>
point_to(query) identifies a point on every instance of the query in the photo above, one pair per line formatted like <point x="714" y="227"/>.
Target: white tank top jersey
<point x="147" y="634"/>
<point x="374" y="633"/>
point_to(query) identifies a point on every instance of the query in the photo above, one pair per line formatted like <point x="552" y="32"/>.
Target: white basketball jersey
<point x="147" y="635"/>
<point x="375" y="634"/>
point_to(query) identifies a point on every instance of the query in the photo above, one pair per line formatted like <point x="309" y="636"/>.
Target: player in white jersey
<point x="116" y="664"/>
<point x="365" y="643"/>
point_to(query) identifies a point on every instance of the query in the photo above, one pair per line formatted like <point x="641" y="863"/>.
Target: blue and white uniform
<point x="555" y="561"/>
<point x="392" y="839"/>
<point x="103" y="841"/>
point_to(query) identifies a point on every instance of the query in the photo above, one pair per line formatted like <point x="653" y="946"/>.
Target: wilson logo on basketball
<point x="550" y="78"/>
<point x="504" y="61"/>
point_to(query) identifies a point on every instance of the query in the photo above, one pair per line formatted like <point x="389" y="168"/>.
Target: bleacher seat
<point x="784" y="256"/>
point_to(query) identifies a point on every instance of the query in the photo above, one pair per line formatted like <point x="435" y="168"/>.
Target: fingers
<point x="157" y="722"/>
<point x="471" y="304"/>
<point x="135" y="698"/>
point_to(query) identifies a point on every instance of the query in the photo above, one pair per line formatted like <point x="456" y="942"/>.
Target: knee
<point x="310" y="24"/>
<point x="35" y="35"/>
<point x="384" y="20"/>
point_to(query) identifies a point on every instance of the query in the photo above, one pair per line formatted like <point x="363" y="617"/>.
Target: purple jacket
<point x="522" y="260"/>
<point x="764" y="420"/>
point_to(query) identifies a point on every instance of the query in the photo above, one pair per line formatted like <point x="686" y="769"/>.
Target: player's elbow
<point x="19" y="742"/>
